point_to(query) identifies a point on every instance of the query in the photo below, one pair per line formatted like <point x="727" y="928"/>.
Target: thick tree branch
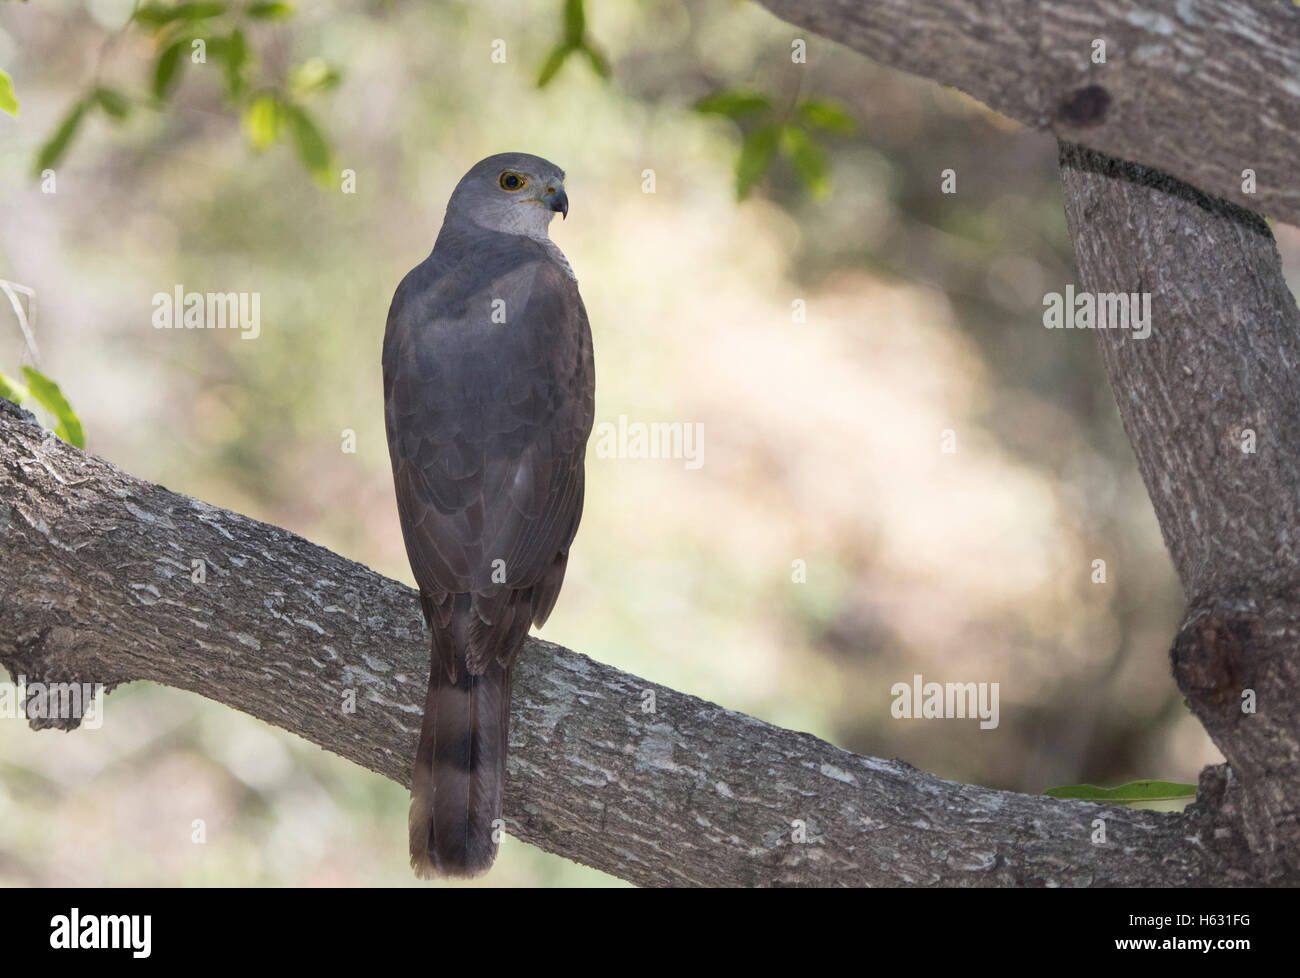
<point x="95" y="586"/>
<point x="1202" y="89"/>
<point x="1211" y="402"/>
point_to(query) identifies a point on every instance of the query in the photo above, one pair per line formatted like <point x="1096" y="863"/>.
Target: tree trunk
<point x="1211" y="402"/>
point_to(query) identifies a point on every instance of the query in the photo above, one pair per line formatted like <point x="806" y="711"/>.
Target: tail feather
<point x="460" y="771"/>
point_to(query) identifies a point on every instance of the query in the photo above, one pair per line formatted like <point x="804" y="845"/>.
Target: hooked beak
<point x="558" y="200"/>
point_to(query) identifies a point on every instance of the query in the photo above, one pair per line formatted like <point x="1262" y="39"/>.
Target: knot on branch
<point x="1084" y="107"/>
<point x="44" y="691"/>
<point x="1234" y="660"/>
<point x="1212" y="659"/>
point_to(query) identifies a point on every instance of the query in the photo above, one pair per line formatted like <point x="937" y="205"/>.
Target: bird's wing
<point x="487" y="427"/>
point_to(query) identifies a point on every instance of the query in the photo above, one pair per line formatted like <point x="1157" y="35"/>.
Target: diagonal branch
<point x="1211" y="402"/>
<point x="96" y="586"/>
<point x="1202" y="89"/>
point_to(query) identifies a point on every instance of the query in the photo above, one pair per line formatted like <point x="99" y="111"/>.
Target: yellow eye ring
<point x="512" y="181"/>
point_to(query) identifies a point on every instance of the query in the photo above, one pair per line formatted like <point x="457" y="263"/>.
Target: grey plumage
<point x="487" y="427"/>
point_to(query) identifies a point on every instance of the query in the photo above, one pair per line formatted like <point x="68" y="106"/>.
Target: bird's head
<point x="515" y="193"/>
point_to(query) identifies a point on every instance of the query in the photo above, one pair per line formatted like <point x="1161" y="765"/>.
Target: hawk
<point x="489" y="394"/>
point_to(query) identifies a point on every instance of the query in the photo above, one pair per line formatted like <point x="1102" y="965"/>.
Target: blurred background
<point x="826" y="331"/>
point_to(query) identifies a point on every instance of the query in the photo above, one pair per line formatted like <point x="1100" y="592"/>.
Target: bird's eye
<point x="513" y="181"/>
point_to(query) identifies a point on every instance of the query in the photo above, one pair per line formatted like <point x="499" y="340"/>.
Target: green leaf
<point x="49" y="396"/>
<point x="233" y="52"/>
<point x="8" y="100"/>
<point x="313" y="149"/>
<point x="313" y="75"/>
<point x="808" y="160"/>
<point x="756" y="155"/>
<point x="269" y="11"/>
<point x="11" y="390"/>
<point x="166" y="67"/>
<point x="554" y="62"/>
<point x="575" y="22"/>
<point x="828" y="116"/>
<point x="157" y="14"/>
<point x="1126" y="793"/>
<point x="733" y="104"/>
<point x="113" y="102"/>
<point x="597" y="60"/>
<point x="200" y="11"/>
<point x="262" y="120"/>
<point x="52" y="151"/>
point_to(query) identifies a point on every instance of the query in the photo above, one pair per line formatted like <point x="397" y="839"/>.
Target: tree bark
<point x="96" y="585"/>
<point x="1202" y="89"/>
<point x="1211" y="403"/>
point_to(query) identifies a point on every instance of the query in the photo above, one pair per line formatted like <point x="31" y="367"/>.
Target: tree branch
<point x="95" y="586"/>
<point x="1202" y="89"/>
<point x="1211" y="402"/>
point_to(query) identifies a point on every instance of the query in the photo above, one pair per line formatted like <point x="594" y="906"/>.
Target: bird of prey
<point x="489" y="395"/>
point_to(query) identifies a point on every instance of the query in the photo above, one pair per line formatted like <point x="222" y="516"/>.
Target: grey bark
<point x="95" y="586"/>
<point x="1202" y="89"/>
<point x="1211" y="403"/>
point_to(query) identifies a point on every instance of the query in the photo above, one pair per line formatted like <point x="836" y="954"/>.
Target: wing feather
<point x="487" y="426"/>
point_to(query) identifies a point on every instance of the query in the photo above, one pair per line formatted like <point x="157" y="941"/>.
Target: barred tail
<point x="460" y="771"/>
